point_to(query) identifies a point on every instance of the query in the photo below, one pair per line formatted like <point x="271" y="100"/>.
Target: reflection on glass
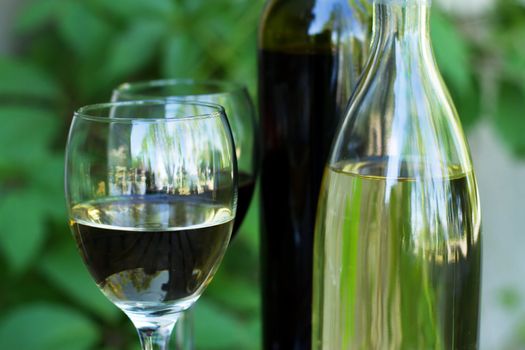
<point x="240" y="113"/>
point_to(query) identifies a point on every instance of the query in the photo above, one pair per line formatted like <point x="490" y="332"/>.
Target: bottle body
<point x="397" y="243"/>
<point x="306" y="74"/>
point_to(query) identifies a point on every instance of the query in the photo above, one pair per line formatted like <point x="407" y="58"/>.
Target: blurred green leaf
<point x="38" y="129"/>
<point x="82" y="30"/>
<point x="247" y="68"/>
<point x="452" y="52"/>
<point x="254" y="330"/>
<point x="513" y="52"/>
<point x="63" y="266"/>
<point x="135" y="346"/>
<point x="468" y="104"/>
<point x="182" y="57"/>
<point x="510" y="298"/>
<point x="133" y="9"/>
<point x="48" y="182"/>
<point x="236" y="294"/>
<point x="508" y="118"/>
<point x="249" y="230"/>
<point x="46" y="327"/>
<point x="23" y="79"/>
<point x="514" y="64"/>
<point x="520" y="336"/>
<point x="240" y="260"/>
<point x="134" y="49"/>
<point x="22" y="230"/>
<point x="214" y="323"/>
<point x="222" y="26"/>
<point x="37" y="13"/>
<point x="453" y="55"/>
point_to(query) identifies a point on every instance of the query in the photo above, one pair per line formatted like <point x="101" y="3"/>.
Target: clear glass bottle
<point x="397" y="243"/>
<point x="311" y="53"/>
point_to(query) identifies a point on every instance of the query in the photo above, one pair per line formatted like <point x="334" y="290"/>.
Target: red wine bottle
<point x="310" y="55"/>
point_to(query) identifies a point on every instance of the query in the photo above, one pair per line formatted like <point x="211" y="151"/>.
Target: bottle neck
<point x="403" y="22"/>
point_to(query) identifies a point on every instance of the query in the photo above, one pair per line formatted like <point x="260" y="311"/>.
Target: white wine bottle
<point x="397" y="243"/>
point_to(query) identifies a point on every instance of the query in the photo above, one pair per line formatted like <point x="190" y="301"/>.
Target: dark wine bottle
<point x="310" y="55"/>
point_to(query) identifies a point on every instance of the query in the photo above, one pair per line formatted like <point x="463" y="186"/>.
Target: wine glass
<point x="151" y="188"/>
<point x="241" y="116"/>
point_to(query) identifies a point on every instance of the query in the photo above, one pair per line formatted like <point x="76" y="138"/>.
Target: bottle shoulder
<point x="403" y="110"/>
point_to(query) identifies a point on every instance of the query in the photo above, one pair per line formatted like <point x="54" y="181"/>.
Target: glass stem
<point x="155" y="338"/>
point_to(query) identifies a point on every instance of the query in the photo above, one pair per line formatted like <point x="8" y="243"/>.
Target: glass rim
<point x="84" y="111"/>
<point x="140" y="89"/>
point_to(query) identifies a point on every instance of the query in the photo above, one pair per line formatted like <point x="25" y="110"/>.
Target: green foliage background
<point x="73" y="52"/>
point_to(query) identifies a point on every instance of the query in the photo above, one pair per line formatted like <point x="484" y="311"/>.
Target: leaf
<point x="63" y="266"/>
<point x="182" y="58"/>
<point x="134" y="49"/>
<point x="514" y="64"/>
<point x="249" y="230"/>
<point x="235" y="293"/>
<point x="37" y="13"/>
<point x="131" y="9"/>
<point x="508" y="118"/>
<point x="134" y="346"/>
<point x="254" y="329"/>
<point x="47" y="327"/>
<point x="212" y="323"/>
<point x="82" y="30"/>
<point x="22" y="232"/>
<point x="453" y="56"/>
<point x="246" y="68"/>
<point x="468" y="105"/>
<point x="520" y="332"/>
<point x="509" y="40"/>
<point x="452" y="52"/>
<point x="23" y="79"/>
<point x="40" y="127"/>
<point x="48" y="182"/>
<point x="510" y="299"/>
<point x="223" y="26"/>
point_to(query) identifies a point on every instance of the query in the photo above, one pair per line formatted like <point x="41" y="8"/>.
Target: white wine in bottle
<point x="401" y="259"/>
